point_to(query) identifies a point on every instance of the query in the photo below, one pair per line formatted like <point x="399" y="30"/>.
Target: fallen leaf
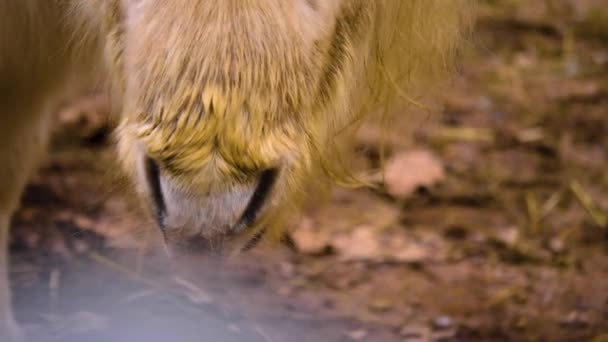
<point x="411" y="253"/>
<point x="360" y="244"/>
<point x="381" y="304"/>
<point x="509" y="236"/>
<point x="309" y="240"/>
<point x="402" y="248"/>
<point x="407" y="171"/>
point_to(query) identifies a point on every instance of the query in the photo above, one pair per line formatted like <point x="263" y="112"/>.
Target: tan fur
<point x="216" y="92"/>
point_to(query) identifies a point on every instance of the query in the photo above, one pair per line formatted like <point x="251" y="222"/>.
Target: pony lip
<point x="258" y="199"/>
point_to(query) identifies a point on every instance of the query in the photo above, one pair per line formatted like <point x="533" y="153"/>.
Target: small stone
<point x="80" y="246"/>
<point x="287" y="269"/>
<point x="58" y="246"/>
<point x="31" y="239"/>
<point x="408" y="171"/>
<point x="509" y="236"/>
<point x="411" y="253"/>
<point x="308" y="239"/>
<point x="442" y="322"/>
<point x="234" y="328"/>
<point x="285" y="291"/>
<point x="413" y="333"/>
<point x="557" y="245"/>
<point x="575" y="319"/>
<point x="443" y="335"/>
<point x="357" y="335"/>
<point x="84" y="222"/>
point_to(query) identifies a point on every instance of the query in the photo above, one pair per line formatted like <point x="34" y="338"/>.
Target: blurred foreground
<point x="492" y="223"/>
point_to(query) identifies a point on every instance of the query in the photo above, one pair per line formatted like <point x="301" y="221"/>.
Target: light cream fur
<point x="215" y="92"/>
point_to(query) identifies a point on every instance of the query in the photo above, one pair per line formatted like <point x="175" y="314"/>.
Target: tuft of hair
<point x="412" y="50"/>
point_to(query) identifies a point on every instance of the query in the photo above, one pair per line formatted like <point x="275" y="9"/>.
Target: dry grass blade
<point x="504" y="295"/>
<point x="469" y="134"/>
<point x="263" y="334"/>
<point x="530" y="135"/>
<point x="550" y="204"/>
<point x="193" y="292"/>
<point x="599" y="218"/>
<point x="534" y="214"/>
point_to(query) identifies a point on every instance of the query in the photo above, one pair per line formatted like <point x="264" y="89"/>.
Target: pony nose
<point x="257" y="200"/>
<point x="228" y="212"/>
<point x="153" y="178"/>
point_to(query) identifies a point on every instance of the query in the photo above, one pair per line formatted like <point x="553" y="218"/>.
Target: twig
<point x="104" y="261"/>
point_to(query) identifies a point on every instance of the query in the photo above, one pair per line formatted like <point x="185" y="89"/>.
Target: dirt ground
<point x="491" y="223"/>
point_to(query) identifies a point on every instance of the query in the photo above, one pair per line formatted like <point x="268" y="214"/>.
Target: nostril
<point x="153" y="179"/>
<point x="260" y="194"/>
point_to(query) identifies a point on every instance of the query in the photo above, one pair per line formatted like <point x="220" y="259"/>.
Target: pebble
<point x="357" y="335"/>
<point x="442" y="322"/>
